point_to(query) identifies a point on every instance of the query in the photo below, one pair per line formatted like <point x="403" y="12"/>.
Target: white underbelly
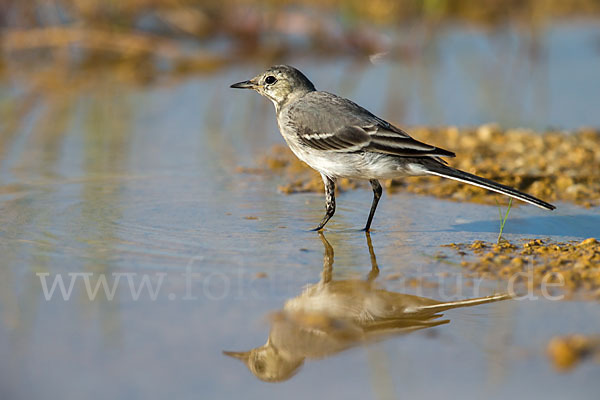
<point x="356" y="165"/>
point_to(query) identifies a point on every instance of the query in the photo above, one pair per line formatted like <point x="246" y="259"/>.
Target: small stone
<point x="517" y="262"/>
<point x="478" y="244"/>
<point x="588" y="242"/>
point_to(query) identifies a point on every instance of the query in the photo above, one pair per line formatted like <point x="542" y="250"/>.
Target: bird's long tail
<point x="445" y="171"/>
<point x="465" y="303"/>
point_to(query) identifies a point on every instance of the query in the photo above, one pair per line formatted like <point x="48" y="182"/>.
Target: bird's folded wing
<point x="347" y="139"/>
<point x="377" y="138"/>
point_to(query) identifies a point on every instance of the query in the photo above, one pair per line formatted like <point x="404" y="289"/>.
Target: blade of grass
<point x="503" y="219"/>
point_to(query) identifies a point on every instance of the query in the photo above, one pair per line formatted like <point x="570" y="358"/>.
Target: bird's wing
<point x="345" y="139"/>
<point x="330" y="123"/>
<point x="373" y="138"/>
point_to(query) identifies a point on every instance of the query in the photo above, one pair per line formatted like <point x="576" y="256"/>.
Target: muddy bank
<point x="551" y="269"/>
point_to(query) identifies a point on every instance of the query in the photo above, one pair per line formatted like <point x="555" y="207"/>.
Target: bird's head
<point x="280" y="83"/>
<point x="267" y="363"/>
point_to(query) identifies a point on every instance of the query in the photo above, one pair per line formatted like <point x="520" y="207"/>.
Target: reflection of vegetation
<point x="58" y="143"/>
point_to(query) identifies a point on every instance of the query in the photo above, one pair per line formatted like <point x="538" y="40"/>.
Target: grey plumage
<point x="325" y="121"/>
<point x="339" y="138"/>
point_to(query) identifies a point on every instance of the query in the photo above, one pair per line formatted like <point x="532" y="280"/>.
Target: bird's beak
<point x="244" y="85"/>
<point x="240" y="355"/>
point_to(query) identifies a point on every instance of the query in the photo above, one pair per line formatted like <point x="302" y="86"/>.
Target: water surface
<point x="142" y="182"/>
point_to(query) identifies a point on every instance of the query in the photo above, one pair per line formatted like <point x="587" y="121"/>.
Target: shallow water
<point x="142" y="183"/>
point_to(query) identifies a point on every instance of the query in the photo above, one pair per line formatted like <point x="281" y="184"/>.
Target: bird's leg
<point x="329" y="201"/>
<point x="376" y="196"/>
<point x="327" y="260"/>
<point x="374" y="267"/>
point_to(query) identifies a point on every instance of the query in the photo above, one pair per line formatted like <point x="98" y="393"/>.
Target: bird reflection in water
<point x="332" y="316"/>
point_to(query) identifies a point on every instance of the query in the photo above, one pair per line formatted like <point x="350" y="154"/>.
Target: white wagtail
<point x="340" y="139"/>
<point x="334" y="315"/>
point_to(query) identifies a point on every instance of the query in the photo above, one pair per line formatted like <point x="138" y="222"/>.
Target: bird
<point x="340" y="139"/>
<point x="332" y="316"/>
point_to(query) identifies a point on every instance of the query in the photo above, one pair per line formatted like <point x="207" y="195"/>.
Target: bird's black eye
<point x="269" y="80"/>
<point x="260" y="367"/>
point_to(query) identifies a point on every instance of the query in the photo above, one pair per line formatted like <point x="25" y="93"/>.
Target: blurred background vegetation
<point x="145" y="38"/>
<point x="58" y="53"/>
